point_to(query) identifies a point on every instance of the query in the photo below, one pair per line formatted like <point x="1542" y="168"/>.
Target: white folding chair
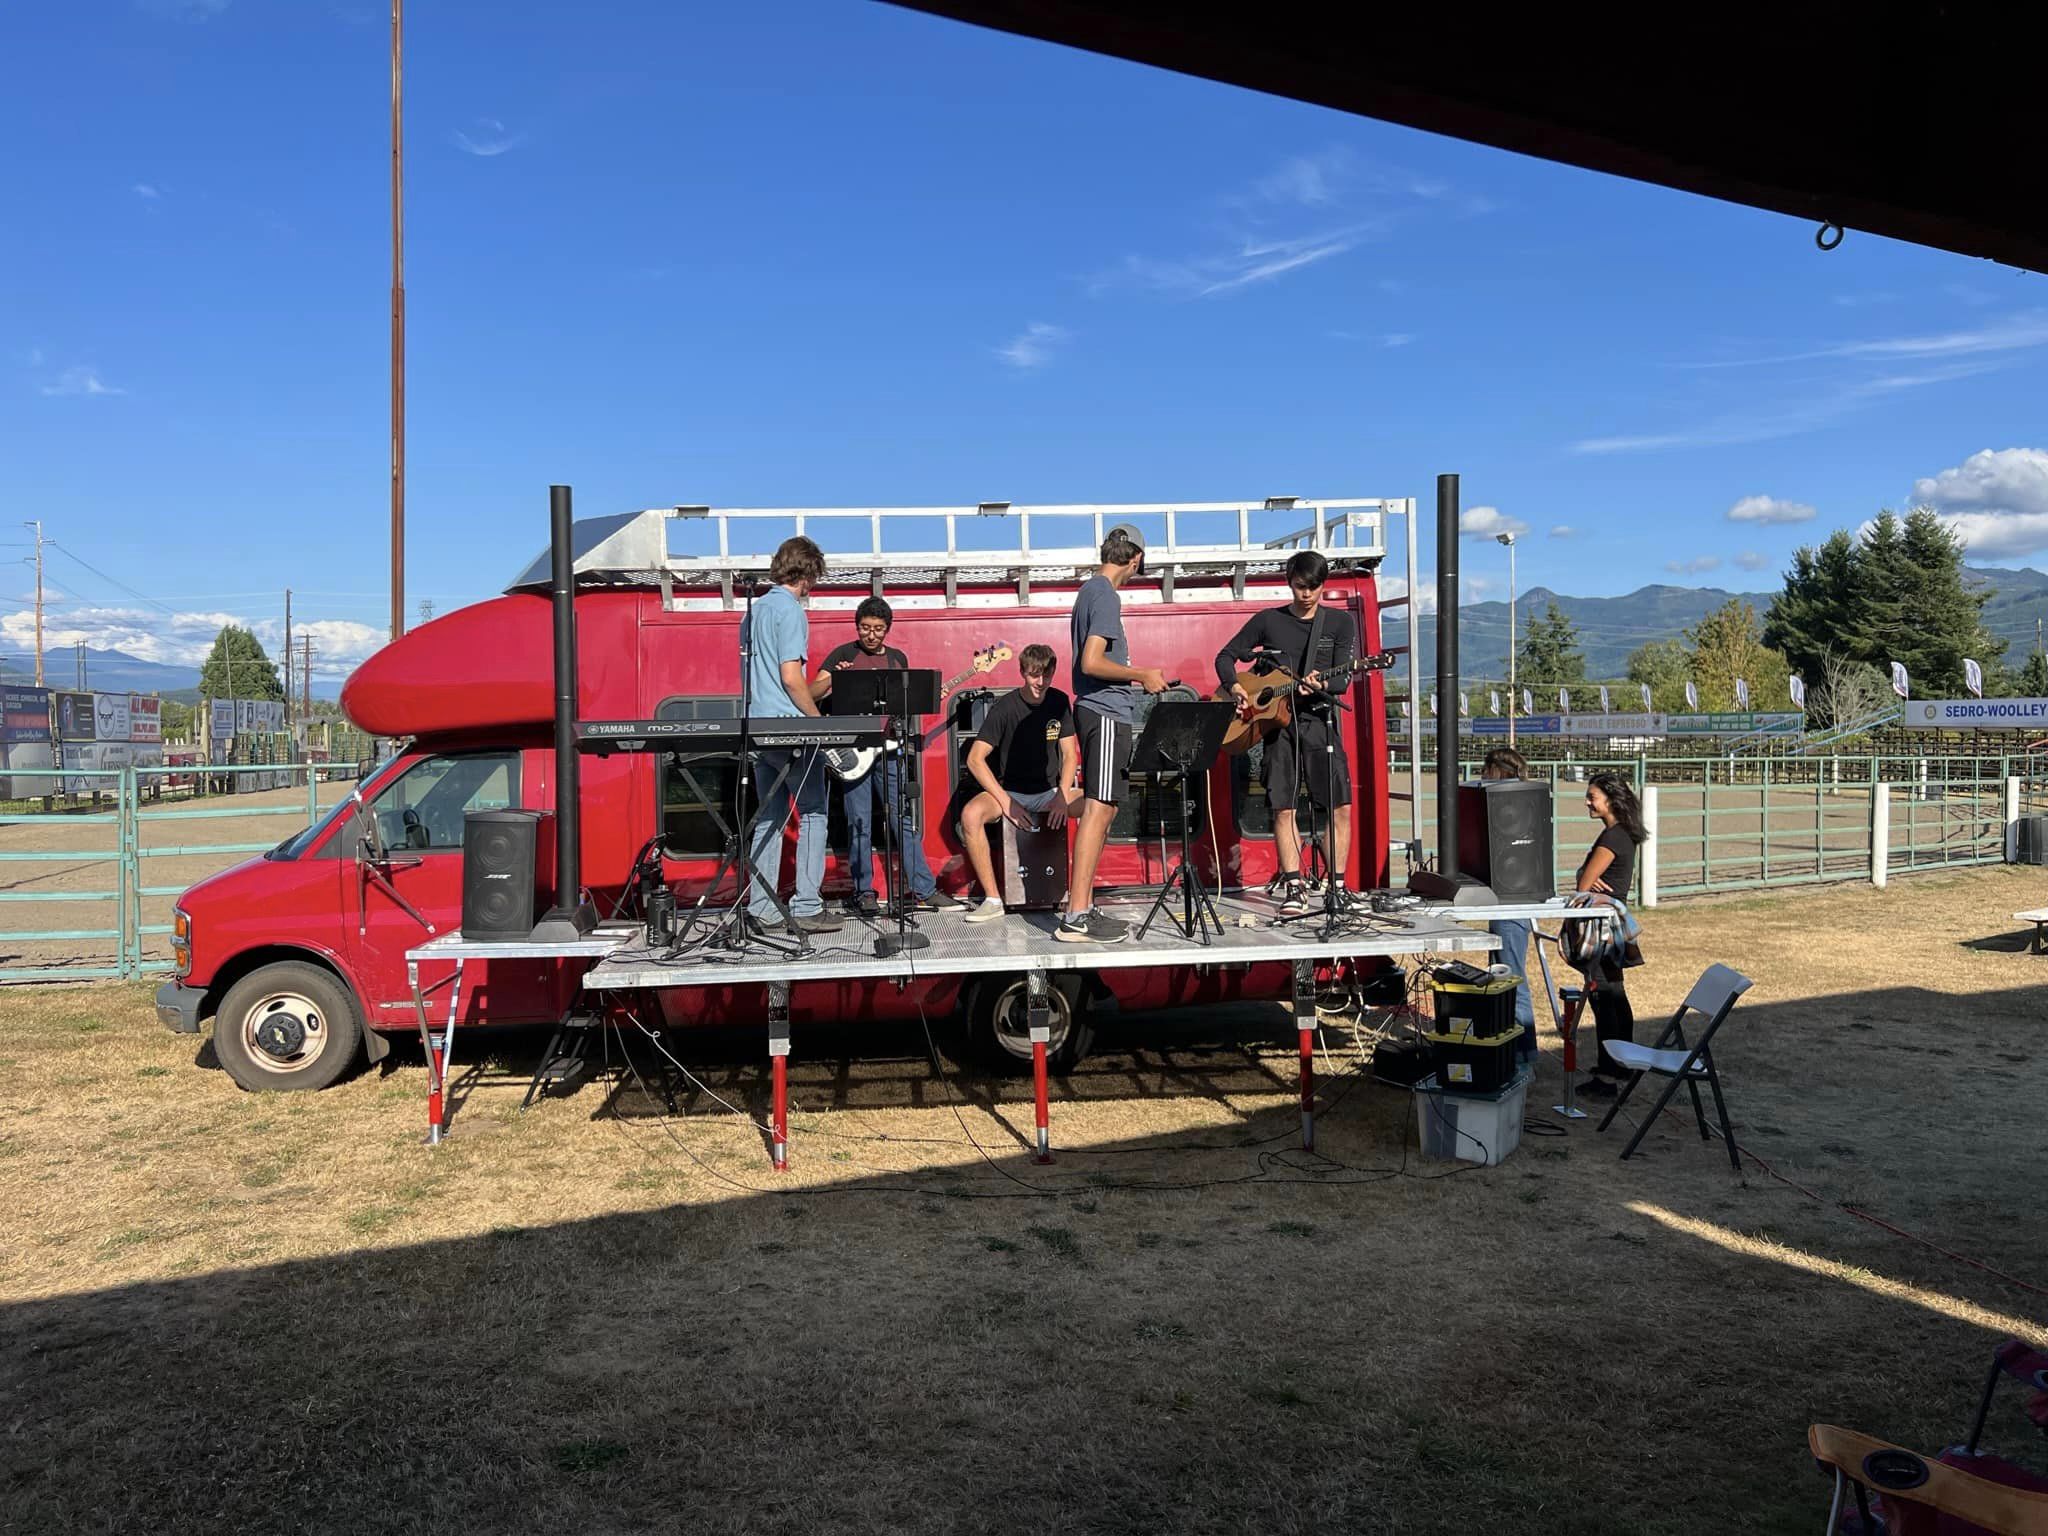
<point x="1713" y="997"/>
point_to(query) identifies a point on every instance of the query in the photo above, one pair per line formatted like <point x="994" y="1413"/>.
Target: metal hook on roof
<point x="1820" y="236"/>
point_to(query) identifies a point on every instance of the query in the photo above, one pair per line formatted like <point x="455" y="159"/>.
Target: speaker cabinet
<point x="1504" y="838"/>
<point x="2032" y="840"/>
<point x="499" y="879"/>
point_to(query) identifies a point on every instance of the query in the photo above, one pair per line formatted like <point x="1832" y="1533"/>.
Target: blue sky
<point x="841" y="254"/>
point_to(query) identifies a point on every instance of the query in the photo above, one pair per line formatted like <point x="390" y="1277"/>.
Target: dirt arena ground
<point x="220" y="1310"/>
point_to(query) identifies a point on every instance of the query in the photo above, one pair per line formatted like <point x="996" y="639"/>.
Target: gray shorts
<point x="1037" y="802"/>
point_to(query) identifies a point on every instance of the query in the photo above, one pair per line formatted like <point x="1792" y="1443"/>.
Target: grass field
<point x="224" y="1311"/>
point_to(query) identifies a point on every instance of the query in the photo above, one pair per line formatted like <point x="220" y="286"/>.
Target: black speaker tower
<point x="1446" y="882"/>
<point x="571" y="917"/>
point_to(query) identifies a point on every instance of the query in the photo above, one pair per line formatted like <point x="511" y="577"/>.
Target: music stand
<point x="1178" y="737"/>
<point x="900" y="695"/>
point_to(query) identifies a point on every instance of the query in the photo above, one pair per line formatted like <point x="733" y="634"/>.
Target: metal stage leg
<point x="1568" y="1026"/>
<point x="437" y="1053"/>
<point x="1305" y="1024"/>
<point x="778" y="1065"/>
<point x="1038" y="1014"/>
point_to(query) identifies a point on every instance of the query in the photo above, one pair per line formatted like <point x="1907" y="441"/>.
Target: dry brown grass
<point x="223" y="1310"/>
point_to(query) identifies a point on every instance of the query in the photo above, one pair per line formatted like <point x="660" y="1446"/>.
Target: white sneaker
<point x="988" y="911"/>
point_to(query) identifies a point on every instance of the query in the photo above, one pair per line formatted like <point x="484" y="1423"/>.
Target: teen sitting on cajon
<point x="1024" y="760"/>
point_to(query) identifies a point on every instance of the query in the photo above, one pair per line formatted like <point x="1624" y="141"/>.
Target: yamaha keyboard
<point x="784" y="731"/>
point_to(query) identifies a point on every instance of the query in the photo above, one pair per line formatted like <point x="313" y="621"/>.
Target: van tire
<point x="287" y="1027"/>
<point x="998" y="1033"/>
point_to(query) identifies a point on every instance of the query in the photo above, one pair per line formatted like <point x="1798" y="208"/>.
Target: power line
<point x="110" y="580"/>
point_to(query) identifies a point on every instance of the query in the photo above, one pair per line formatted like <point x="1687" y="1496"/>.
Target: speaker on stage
<point x="499" y="881"/>
<point x="1504" y="838"/>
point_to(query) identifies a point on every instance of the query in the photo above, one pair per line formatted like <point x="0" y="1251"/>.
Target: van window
<point x="694" y="791"/>
<point x="422" y="809"/>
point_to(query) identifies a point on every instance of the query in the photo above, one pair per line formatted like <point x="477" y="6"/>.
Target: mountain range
<point x="118" y="672"/>
<point x="1611" y="627"/>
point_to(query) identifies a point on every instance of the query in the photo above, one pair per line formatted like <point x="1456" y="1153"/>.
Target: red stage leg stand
<point x="1305" y="1023"/>
<point x="1039" y="1015"/>
<point x="778" y="1062"/>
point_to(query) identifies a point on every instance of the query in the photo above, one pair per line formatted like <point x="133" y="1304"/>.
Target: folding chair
<point x="1713" y="998"/>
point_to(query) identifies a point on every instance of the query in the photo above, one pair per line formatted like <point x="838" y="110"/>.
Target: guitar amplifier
<point x="1034" y="867"/>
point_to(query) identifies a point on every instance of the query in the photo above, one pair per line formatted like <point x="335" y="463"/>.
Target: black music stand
<point x="1179" y="743"/>
<point x="900" y="695"/>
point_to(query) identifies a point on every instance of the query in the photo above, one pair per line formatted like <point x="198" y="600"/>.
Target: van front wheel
<point x="999" y="1024"/>
<point x="288" y="1026"/>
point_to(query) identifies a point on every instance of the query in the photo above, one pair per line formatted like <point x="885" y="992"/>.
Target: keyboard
<point x="607" y="736"/>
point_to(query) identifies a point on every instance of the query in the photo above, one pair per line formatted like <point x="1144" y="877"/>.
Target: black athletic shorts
<point x="1106" y="744"/>
<point x="1329" y="774"/>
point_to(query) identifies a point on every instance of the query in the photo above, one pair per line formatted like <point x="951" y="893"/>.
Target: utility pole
<point x="37" y="524"/>
<point x="426" y="610"/>
<point x="287" y="658"/>
<point x="1509" y="540"/>
<point x="306" y="680"/>
<point x="83" y="685"/>
<point x="397" y="324"/>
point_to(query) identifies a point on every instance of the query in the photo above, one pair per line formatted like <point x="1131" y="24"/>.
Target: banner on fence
<point x="24" y="715"/>
<point x="145" y="717"/>
<point x="110" y="717"/>
<point x="1733" y="723"/>
<point x="1614" y="725"/>
<point x="1967" y="714"/>
<point x="74" y="717"/>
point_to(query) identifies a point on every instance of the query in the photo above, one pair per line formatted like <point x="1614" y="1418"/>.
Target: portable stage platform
<point x="1021" y="943"/>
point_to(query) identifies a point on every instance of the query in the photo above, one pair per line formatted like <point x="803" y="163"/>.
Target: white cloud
<point x="489" y="140"/>
<point x="80" y="381"/>
<point x="2011" y="333"/>
<point x="1471" y="589"/>
<point x="1769" y="509"/>
<point x="1563" y="531"/>
<point x="1694" y="566"/>
<point x="1396" y="339"/>
<point x="1807" y="412"/>
<point x="146" y="192"/>
<point x="1304" y="179"/>
<point x="1487" y="522"/>
<point x="1034" y="346"/>
<point x="1996" y="501"/>
<point x="1750" y="560"/>
<point x="184" y="638"/>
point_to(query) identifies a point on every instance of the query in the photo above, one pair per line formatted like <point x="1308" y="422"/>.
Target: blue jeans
<point x="859" y="804"/>
<point x="1514" y="934"/>
<point x="805" y="787"/>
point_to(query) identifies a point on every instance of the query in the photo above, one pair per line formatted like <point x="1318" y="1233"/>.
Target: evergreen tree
<point x="1664" y="665"/>
<point x="237" y="668"/>
<point x="2031" y="681"/>
<point x="1550" y="650"/>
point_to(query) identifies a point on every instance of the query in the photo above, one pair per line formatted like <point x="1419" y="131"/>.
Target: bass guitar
<point x="850" y="763"/>
<point x="1269" y="701"/>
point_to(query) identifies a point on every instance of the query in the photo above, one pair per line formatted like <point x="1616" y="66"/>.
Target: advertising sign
<point x="145" y="717"/>
<point x="1733" y="722"/>
<point x="31" y="754"/>
<point x="110" y="716"/>
<point x="78" y="755"/>
<point x="1974" y="714"/>
<point x="221" y="719"/>
<point x="24" y="714"/>
<point x="74" y="718"/>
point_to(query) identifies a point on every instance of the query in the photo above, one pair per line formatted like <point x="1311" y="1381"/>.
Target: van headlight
<point x="181" y="940"/>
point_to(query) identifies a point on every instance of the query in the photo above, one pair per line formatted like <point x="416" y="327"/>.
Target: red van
<point x="298" y="955"/>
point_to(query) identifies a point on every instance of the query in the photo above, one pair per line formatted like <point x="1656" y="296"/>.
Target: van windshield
<point x="295" y="845"/>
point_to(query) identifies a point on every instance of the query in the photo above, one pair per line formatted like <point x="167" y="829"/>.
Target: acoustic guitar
<point x="1270" y="703"/>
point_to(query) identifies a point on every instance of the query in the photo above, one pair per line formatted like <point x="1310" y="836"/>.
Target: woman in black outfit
<point x="1610" y="870"/>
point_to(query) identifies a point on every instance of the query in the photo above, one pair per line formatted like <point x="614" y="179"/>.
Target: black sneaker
<point x="1294" y="896"/>
<point x="937" y="901"/>
<point x="819" y="922"/>
<point x="1277" y="886"/>
<point x="863" y="904"/>
<point x="770" y="930"/>
<point x="1090" y="927"/>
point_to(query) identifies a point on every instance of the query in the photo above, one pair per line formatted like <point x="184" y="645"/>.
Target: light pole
<point x="1509" y="540"/>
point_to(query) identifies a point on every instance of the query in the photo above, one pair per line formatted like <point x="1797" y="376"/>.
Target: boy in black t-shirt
<point x="1024" y="759"/>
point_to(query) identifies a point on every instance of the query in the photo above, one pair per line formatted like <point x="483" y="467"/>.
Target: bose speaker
<point x="1504" y="838"/>
<point x="498" y="876"/>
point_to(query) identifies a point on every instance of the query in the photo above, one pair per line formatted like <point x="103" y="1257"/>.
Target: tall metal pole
<point x="1446" y="675"/>
<point x="397" y="324"/>
<point x="1509" y="540"/>
<point x="287" y="658"/>
<point x="38" y="526"/>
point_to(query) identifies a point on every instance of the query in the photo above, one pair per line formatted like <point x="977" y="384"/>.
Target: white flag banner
<point x="1564" y="700"/>
<point x="1432" y="703"/>
<point x="1797" y="687"/>
<point x="1464" y="704"/>
<point x="1493" y="698"/>
<point x="1742" y="693"/>
<point x="1404" y="709"/>
<point x="1973" y="678"/>
<point x="1900" y="682"/>
<point x="1528" y="702"/>
<point x="1692" y="696"/>
<point x="1646" y="698"/>
<point x="1605" y="707"/>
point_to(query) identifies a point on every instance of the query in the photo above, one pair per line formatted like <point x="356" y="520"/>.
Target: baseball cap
<point x="1129" y="531"/>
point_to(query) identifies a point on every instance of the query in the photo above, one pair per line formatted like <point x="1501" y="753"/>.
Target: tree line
<point x="1849" y="608"/>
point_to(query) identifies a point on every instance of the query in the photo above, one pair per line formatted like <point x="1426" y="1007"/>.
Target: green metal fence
<point x="129" y="853"/>
<point x="1730" y="823"/>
